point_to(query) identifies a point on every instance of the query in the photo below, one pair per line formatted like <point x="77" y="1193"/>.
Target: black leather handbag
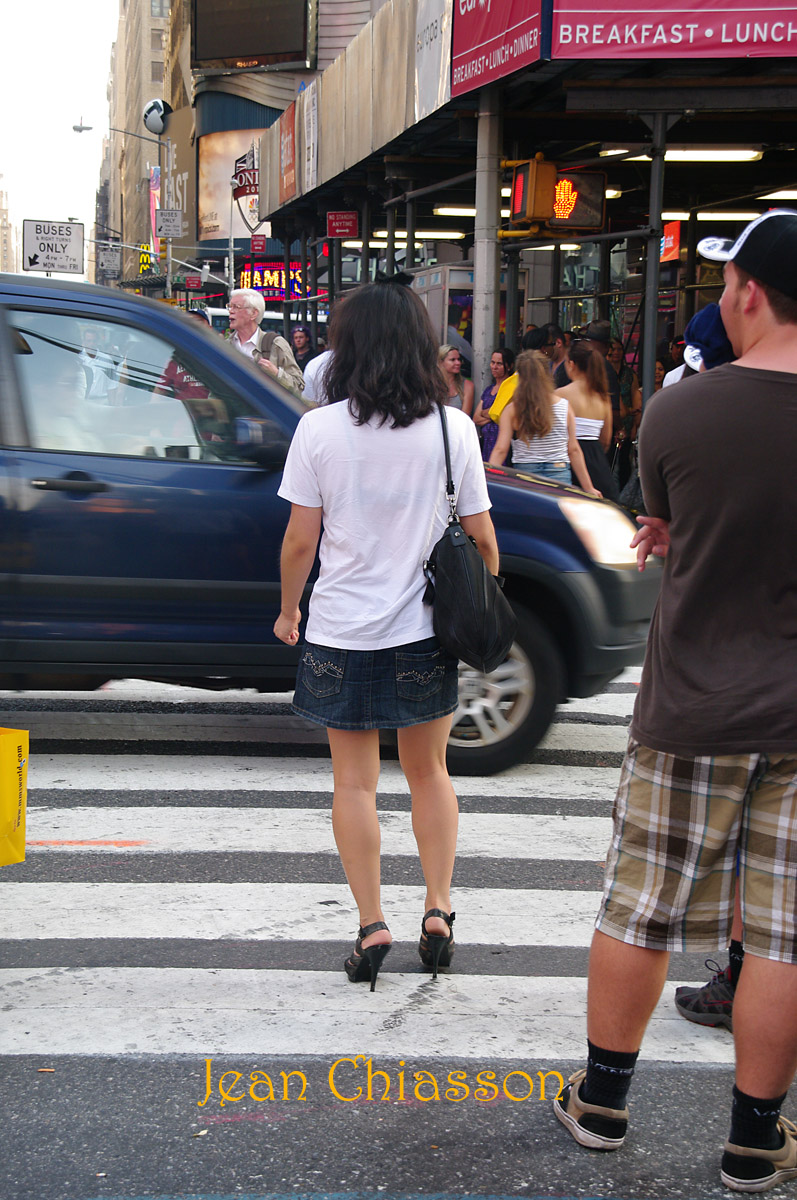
<point x="472" y="618"/>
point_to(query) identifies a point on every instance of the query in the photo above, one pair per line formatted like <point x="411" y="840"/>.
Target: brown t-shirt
<point x="718" y="458"/>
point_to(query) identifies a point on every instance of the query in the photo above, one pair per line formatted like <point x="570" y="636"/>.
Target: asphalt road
<point x="170" y="958"/>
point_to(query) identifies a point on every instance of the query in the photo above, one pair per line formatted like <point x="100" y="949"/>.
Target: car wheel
<point x="502" y="716"/>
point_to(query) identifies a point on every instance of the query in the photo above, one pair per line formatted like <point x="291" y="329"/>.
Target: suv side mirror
<point x="262" y="442"/>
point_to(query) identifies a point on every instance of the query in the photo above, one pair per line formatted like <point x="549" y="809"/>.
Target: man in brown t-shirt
<point x="711" y="767"/>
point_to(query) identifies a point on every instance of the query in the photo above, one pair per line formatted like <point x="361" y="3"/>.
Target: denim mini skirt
<point x="376" y="689"/>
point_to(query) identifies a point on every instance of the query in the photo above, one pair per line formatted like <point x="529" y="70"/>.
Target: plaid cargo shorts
<point x="679" y="825"/>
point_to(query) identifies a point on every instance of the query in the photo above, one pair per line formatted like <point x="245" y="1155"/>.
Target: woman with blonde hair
<point x="461" y="392"/>
<point x="540" y="427"/>
<point x="590" y="400"/>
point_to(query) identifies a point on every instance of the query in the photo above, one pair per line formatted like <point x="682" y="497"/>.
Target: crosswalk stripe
<point x="282" y="911"/>
<point x="229" y="773"/>
<point x="279" y="1012"/>
<point x="185" y="830"/>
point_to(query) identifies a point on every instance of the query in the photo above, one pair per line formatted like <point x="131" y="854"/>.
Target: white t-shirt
<point x="382" y="492"/>
<point x="314" y="390"/>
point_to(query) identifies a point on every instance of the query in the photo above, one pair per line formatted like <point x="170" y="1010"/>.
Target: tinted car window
<point x="99" y="387"/>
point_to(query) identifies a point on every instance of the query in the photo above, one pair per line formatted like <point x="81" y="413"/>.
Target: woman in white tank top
<point x="588" y="396"/>
<point x="540" y="427"/>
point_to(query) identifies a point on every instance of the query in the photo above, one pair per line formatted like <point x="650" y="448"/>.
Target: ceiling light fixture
<point x="426" y="235"/>
<point x="460" y="210"/>
<point x="711" y="216"/>
<point x="694" y="154"/>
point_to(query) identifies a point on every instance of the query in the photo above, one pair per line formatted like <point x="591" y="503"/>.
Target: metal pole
<point x="338" y="251"/>
<point x="331" y="282"/>
<point x="512" y="312"/>
<point x="365" y="253"/>
<point x="554" y="316"/>
<point x="650" y="325"/>
<point x="604" y="279"/>
<point x="303" y="289"/>
<point x="409" y="254"/>
<point x="390" y="250"/>
<point x="690" y="297"/>
<point x="286" y="305"/>
<point x="231" y="249"/>
<point x="486" y="267"/>
<point x="314" y="289"/>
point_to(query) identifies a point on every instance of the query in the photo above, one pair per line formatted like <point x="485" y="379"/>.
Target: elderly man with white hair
<point x="270" y="351"/>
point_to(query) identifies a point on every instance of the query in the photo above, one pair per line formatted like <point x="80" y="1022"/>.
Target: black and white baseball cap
<point x="766" y="249"/>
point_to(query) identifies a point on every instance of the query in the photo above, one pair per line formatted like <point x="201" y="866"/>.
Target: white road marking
<point x="596" y="739"/>
<point x="309" y="831"/>
<point x="284" y="912"/>
<point x="114" y="772"/>
<point x="263" y="1014"/>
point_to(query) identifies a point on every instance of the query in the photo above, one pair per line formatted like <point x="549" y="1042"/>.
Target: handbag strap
<point x="451" y="495"/>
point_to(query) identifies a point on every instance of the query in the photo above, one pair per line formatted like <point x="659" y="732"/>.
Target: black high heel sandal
<point x="437" y="950"/>
<point x="364" y="961"/>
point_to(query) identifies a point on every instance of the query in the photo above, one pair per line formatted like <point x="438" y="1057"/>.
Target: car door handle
<point x="70" y="485"/>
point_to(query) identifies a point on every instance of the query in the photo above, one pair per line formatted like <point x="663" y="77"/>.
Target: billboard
<point x="674" y="29"/>
<point x="242" y="34"/>
<point x="432" y="56"/>
<point x="233" y="154"/>
<point x="492" y="40"/>
<point x="287" y="176"/>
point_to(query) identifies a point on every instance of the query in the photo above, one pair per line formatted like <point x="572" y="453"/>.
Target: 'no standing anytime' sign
<point x="52" y="246"/>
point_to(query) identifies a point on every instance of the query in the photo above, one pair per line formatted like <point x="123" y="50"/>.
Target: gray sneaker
<point x="747" y="1169"/>
<point x="592" y="1126"/>
<point x="711" y="1004"/>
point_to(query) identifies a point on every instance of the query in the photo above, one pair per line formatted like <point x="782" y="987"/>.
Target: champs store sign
<point x="674" y="29"/>
<point x="269" y="278"/>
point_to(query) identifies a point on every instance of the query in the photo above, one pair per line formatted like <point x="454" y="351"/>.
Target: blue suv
<point x="140" y="461"/>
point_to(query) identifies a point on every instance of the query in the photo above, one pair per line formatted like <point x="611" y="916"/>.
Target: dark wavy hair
<point x="385" y="355"/>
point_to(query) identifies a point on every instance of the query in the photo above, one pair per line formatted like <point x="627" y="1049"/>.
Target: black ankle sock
<point x="754" y="1122"/>
<point x="736" y="953"/>
<point x="609" y="1074"/>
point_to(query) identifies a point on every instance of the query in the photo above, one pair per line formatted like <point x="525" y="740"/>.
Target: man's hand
<point x="286" y="628"/>
<point x="652" y="538"/>
<point x="268" y="365"/>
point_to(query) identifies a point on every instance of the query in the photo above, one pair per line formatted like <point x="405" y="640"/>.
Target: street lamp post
<point x="231" y="245"/>
<point x="81" y="128"/>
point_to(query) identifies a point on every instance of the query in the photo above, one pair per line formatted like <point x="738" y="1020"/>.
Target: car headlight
<point x="605" y="531"/>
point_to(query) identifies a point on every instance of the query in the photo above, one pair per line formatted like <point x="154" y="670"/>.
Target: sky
<point x="55" y="72"/>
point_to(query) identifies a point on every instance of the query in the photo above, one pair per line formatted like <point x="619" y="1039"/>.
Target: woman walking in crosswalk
<point x="370" y="466"/>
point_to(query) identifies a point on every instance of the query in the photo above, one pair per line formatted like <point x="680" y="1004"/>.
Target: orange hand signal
<point x="565" y="201"/>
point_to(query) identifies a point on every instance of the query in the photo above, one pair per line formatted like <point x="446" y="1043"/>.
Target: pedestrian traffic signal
<point x="579" y="200"/>
<point x="533" y="188"/>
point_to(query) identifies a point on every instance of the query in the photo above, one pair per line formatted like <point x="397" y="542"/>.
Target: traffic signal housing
<point x="579" y="200"/>
<point x="533" y="192"/>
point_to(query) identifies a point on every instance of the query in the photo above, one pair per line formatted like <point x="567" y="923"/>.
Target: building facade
<point x="9" y="238"/>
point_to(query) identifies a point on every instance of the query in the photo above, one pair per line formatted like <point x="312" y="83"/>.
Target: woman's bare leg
<point x="355" y="764"/>
<point x="422" y="754"/>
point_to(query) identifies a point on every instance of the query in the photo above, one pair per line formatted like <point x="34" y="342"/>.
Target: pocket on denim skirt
<point x="323" y="669"/>
<point x="419" y="676"/>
